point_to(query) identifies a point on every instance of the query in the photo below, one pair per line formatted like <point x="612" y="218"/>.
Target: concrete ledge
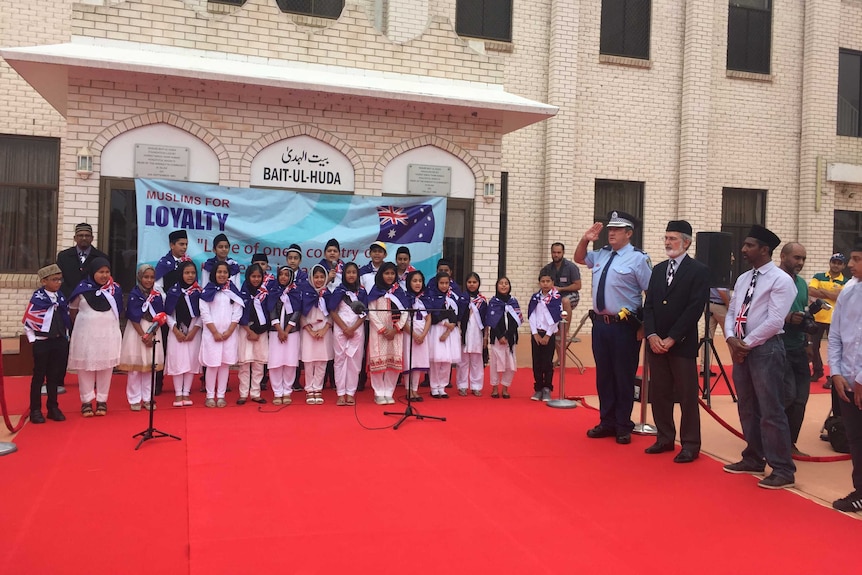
<point x="625" y="61"/>
<point x="19" y="281"/>
<point x="749" y="76"/>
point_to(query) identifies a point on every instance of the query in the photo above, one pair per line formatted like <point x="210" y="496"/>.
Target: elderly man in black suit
<point x="677" y="295"/>
<point x="74" y="261"/>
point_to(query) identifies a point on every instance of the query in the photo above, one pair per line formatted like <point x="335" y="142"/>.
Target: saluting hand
<point x="592" y="234"/>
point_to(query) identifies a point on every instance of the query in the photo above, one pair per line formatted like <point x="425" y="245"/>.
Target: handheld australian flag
<point x="406" y="224"/>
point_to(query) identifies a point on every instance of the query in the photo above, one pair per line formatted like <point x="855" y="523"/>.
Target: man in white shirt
<point x="755" y="318"/>
<point x="845" y="364"/>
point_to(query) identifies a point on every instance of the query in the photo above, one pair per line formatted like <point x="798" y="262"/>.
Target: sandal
<point x="341" y="400"/>
<point x="350" y="400"/>
<point x="276" y="401"/>
<point x="286" y="400"/>
<point x="101" y="408"/>
<point x="477" y="393"/>
<point x="494" y="393"/>
<point x="86" y="410"/>
<point x="506" y="393"/>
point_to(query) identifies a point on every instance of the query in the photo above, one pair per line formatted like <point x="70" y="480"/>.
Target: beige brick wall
<point x="26" y="113"/>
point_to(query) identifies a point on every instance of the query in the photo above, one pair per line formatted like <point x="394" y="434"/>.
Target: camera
<point x="808" y="324"/>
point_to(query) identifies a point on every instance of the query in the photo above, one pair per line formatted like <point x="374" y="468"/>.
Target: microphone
<point x="158" y="321"/>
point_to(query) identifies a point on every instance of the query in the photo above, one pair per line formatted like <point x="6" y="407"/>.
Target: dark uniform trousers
<point x="616" y="348"/>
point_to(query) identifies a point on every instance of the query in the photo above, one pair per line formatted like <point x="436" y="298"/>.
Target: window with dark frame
<point x="749" y="36"/>
<point x="320" y="8"/>
<point x="849" y="93"/>
<point x="29" y="187"/>
<point x="847" y="226"/>
<point x="741" y="208"/>
<point x="486" y="19"/>
<point x="625" y="28"/>
<point x="622" y="195"/>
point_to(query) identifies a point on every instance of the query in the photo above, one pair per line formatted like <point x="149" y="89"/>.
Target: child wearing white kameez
<point x="285" y="305"/>
<point x="385" y="350"/>
<point x="253" y="341"/>
<point x="503" y="318"/>
<point x="221" y="309"/>
<point x="182" y="304"/>
<point x="95" y="306"/>
<point x="347" y="308"/>
<point x="474" y="339"/>
<point x="316" y="346"/>
<point x="416" y="358"/>
<point x="136" y="354"/>
<point x="444" y="338"/>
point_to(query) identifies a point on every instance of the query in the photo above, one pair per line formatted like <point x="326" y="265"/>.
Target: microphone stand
<point x="151" y="432"/>
<point x="410" y="411"/>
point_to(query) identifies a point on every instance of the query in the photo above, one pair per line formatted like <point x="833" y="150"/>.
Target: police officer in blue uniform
<point x="621" y="273"/>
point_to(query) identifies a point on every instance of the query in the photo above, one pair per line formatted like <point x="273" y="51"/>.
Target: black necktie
<point x="670" y="269"/>
<point x="600" y="296"/>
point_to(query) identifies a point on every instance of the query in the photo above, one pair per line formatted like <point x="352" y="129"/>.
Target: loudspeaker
<point x="714" y="249"/>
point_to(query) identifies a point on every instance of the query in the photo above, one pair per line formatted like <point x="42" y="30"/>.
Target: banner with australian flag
<point x="269" y="221"/>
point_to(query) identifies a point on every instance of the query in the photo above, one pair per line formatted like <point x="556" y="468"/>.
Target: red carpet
<point x="500" y="487"/>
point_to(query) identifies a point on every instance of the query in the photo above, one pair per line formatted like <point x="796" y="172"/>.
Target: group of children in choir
<point x="275" y="320"/>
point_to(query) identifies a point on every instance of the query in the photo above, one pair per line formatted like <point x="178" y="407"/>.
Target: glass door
<point x="119" y="224"/>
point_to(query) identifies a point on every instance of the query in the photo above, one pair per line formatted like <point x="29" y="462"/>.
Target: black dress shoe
<point x="599" y="431"/>
<point x="685" y="456"/>
<point x="55" y="414"/>
<point x="624" y="439"/>
<point x="258" y="400"/>
<point x="36" y="417"/>
<point x="659" y="448"/>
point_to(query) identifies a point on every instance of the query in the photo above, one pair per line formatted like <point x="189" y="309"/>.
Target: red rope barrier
<point x="9" y="426"/>
<point x="811" y="458"/>
<point x="582" y="401"/>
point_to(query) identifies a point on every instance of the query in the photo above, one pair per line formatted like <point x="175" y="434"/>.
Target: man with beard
<point x="677" y="293"/>
<point x="75" y="260"/>
<point x="566" y="276"/>
<point x="796" y="375"/>
<point x="755" y="318"/>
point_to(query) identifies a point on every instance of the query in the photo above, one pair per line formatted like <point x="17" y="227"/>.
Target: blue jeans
<point x="760" y="386"/>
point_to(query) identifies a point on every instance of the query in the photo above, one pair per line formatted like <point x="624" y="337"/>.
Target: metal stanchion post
<point x="644" y="428"/>
<point x="562" y="402"/>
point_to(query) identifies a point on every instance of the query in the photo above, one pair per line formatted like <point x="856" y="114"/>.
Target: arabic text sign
<point x="302" y="163"/>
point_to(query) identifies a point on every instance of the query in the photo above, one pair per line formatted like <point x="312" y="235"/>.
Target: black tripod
<point x="410" y="411"/>
<point x="151" y="432"/>
<point x="709" y="351"/>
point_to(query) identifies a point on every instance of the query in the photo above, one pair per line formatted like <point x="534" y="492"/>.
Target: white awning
<point x="46" y="68"/>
